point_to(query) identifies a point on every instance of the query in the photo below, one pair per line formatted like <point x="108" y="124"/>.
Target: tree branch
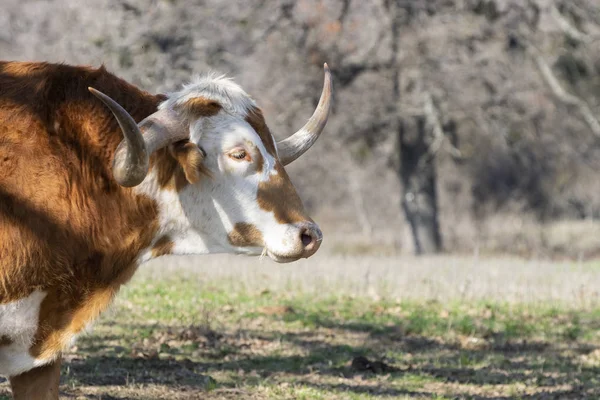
<point x="564" y="97"/>
<point x="433" y="120"/>
<point x="566" y="26"/>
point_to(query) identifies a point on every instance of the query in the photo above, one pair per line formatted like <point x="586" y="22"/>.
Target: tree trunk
<point x="418" y="176"/>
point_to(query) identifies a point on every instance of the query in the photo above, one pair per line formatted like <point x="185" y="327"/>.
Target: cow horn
<point x="131" y="160"/>
<point x="294" y="146"/>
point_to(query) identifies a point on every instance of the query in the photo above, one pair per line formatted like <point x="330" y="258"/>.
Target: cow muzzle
<point x="304" y="239"/>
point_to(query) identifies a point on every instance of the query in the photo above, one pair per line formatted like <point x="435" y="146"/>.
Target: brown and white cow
<point x="98" y="177"/>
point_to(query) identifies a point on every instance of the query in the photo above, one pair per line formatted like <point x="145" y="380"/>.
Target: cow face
<point x="247" y="203"/>
<point x="229" y="191"/>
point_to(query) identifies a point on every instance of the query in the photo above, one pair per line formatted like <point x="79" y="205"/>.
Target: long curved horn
<point x="131" y="159"/>
<point x="294" y="146"/>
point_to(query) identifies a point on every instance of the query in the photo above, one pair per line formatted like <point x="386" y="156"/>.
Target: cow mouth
<point x="281" y="259"/>
<point x="264" y="252"/>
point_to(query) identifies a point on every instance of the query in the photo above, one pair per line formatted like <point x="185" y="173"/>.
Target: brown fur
<point x="191" y="159"/>
<point x="163" y="246"/>
<point x="244" y="234"/>
<point x="259" y="161"/>
<point x="257" y="122"/>
<point x="200" y="107"/>
<point x="5" y="340"/>
<point x="67" y="313"/>
<point x="182" y="163"/>
<point x="279" y="196"/>
<point x="179" y="165"/>
<point x="37" y="384"/>
<point x="170" y="174"/>
<point x="66" y="227"/>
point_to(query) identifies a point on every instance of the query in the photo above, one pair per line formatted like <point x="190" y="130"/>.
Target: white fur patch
<point x="19" y="322"/>
<point x="224" y="90"/>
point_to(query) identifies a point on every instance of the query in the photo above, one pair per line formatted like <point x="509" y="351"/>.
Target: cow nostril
<point x="306" y="239"/>
<point x="310" y="237"/>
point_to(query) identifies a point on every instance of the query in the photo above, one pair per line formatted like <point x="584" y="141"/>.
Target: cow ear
<point x="191" y="159"/>
<point x="189" y="156"/>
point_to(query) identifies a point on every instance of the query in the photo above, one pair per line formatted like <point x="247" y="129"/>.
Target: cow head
<point x="228" y="190"/>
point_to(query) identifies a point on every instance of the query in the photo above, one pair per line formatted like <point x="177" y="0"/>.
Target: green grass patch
<point x="181" y="337"/>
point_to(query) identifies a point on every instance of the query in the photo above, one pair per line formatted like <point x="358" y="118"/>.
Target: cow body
<point x="71" y="235"/>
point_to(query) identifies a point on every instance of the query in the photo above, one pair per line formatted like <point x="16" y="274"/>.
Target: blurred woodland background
<point x="458" y="125"/>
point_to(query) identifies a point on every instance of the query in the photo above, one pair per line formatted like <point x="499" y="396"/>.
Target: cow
<point x="98" y="176"/>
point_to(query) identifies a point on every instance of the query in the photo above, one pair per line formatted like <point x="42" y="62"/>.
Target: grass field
<point x="341" y="327"/>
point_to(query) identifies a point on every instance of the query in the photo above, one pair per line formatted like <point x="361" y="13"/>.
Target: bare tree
<point x="486" y="107"/>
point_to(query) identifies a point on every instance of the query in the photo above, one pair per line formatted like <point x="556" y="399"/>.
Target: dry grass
<point x="335" y="327"/>
<point x="442" y="278"/>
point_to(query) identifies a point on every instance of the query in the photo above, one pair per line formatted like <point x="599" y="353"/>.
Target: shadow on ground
<point x="419" y="366"/>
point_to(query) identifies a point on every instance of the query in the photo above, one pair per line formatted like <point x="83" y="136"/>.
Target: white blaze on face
<point x="18" y="325"/>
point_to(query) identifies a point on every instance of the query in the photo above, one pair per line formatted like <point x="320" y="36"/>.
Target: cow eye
<point x="239" y="155"/>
